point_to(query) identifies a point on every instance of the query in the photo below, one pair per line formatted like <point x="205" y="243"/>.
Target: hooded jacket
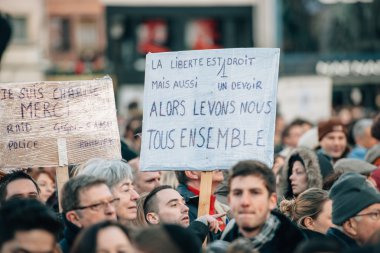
<point x="313" y="172"/>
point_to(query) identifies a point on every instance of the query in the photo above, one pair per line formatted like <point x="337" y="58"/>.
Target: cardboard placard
<point x="35" y="116"/>
<point x="208" y="109"/>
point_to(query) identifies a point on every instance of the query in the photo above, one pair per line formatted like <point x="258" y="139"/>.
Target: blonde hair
<point x="307" y="204"/>
<point x="169" y="178"/>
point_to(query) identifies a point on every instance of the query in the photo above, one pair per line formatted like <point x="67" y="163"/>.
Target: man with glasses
<point x="18" y="184"/>
<point x="355" y="212"/>
<point x="86" y="200"/>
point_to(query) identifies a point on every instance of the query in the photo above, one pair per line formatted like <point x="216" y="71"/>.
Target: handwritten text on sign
<point x="206" y="110"/>
<point x="34" y="115"/>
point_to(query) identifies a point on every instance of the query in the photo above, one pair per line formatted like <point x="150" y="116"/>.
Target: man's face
<point x="127" y="208"/>
<point x="23" y="188"/>
<point x="250" y="203"/>
<point x="294" y="135"/>
<point x="97" y="194"/>
<point x="367" y="140"/>
<point x="172" y="208"/>
<point x="367" y="223"/>
<point x="147" y="181"/>
<point x="32" y="241"/>
<point x="334" y="144"/>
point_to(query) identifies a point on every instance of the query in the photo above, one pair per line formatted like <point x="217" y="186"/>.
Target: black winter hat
<point x="350" y="194"/>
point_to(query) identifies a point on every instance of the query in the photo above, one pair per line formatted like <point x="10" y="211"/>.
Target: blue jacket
<point x="345" y="241"/>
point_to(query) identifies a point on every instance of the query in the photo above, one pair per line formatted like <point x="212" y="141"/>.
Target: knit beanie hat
<point x="350" y="194"/>
<point x="331" y="125"/>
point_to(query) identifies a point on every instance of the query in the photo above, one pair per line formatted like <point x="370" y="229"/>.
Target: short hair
<point x="150" y="203"/>
<point x="13" y="176"/>
<point x="112" y="171"/>
<point x="19" y="214"/>
<point x="308" y="204"/>
<point x="86" y="241"/>
<point x="375" y="129"/>
<point x="71" y="189"/>
<point x="254" y="168"/>
<point x="360" y="127"/>
<point x="181" y="177"/>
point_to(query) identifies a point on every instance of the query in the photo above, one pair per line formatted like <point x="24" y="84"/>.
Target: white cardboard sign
<point x="208" y="109"/>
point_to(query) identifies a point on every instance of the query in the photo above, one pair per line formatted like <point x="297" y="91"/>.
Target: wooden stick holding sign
<point x="204" y="195"/>
<point x="62" y="172"/>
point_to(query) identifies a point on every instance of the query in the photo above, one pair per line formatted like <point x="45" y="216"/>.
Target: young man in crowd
<point x="355" y="211"/>
<point x="252" y="198"/>
<point x="27" y="225"/>
<point x="189" y="185"/>
<point x="18" y="184"/>
<point x="332" y="136"/>
<point x="165" y="205"/>
<point x="86" y="200"/>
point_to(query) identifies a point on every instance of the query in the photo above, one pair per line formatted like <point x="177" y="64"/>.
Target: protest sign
<point x="208" y="109"/>
<point x="52" y="123"/>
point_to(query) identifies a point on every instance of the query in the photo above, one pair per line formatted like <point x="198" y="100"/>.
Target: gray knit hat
<point x="350" y="194"/>
<point x="353" y="165"/>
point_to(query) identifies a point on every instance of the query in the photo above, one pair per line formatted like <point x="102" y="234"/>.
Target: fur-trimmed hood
<point x="313" y="172"/>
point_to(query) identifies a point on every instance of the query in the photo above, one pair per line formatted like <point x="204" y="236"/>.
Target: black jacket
<point x="345" y="241"/>
<point x="192" y="202"/>
<point x="69" y="234"/>
<point x="288" y="236"/>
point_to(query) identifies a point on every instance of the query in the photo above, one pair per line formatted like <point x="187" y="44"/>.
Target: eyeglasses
<point x="100" y="206"/>
<point x="373" y="215"/>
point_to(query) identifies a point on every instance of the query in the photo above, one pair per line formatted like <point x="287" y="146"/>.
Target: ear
<point x="194" y="175"/>
<point x="74" y="218"/>
<point x="350" y="227"/>
<point x="273" y="201"/>
<point x="308" y="222"/>
<point x="152" y="218"/>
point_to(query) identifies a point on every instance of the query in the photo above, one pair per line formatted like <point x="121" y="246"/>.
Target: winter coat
<point x="313" y="172"/>
<point x="287" y="237"/>
<point x="192" y="202"/>
<point x="344" y="241"/>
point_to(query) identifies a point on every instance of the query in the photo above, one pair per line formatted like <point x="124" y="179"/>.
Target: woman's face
<point x="324" y="220"/>
<point x="47" y="186"/>
<point x="127" y="208"/>
<point x="298" y="178"/>
<point x="113" y="240"/>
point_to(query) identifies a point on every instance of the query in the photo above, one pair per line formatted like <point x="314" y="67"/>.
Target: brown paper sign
<point x="33" y="116"/>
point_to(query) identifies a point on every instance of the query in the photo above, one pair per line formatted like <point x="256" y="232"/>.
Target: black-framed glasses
<point x="101" y="206"/>
<point x="373" y="215"/>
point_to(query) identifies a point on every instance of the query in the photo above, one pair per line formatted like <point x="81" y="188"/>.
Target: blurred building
<point x="76" y="36"/>
<point x="337" y="41"/>
<point x="25" y="58"/>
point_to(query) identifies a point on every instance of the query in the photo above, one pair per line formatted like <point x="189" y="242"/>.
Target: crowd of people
<point x="321" y="195"/>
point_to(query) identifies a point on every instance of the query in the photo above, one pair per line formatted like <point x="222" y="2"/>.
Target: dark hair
<point x="181" y="177"/>
<point x="150" y="203"/>
<point x="86" y="241"/>
<point x="19" y="214"/>
<point x="72" y="188"/>
<point x="13" y="176"/>
<point x="254" y="168"/>
<point x="319" y="245"/>
<point x="375" y="129"/>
